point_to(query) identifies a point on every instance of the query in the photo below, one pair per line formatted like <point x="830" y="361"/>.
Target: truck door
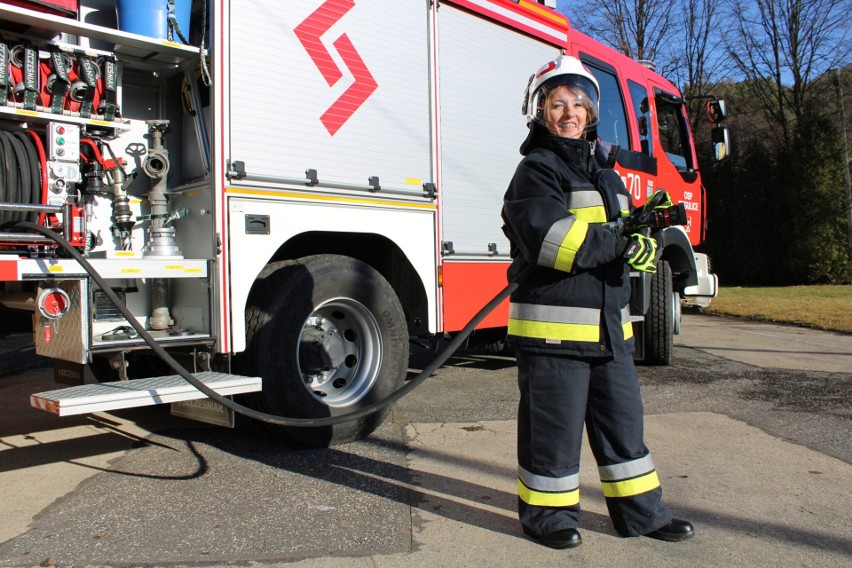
<point x="678" y="168"/>
<point x="638" y="169"/>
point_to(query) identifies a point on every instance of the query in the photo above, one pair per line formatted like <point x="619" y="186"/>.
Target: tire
<point x="328" y="336"/>
<point x="660" y="324"/>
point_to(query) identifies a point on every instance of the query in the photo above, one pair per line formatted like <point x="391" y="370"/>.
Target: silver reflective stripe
<point x="583" y="199"/>
<point x="626" y="470"/>
<point x="553" y="241"/>
<point x="625" y="314"/>
<point x="624" y="202"/>
<point x="554" y="314"/>
<point x="541" y="483"/>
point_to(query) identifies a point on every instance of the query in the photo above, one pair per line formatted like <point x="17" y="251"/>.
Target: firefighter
<point x="569" y="321"/>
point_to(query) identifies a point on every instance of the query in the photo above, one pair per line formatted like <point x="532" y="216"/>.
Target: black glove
<point x="656" y="213"/>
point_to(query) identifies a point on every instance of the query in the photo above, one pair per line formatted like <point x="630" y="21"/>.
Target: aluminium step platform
<point x="99" y="397"/>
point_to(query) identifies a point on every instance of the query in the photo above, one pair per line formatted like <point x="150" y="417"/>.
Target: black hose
<point x="4" y="216"/>
<point x="33" y="195"/>
<point x="23" y="171"/>
<point x="20" y="175"/>
<point x="10" y="173"/>
<point x="457" y="342"/>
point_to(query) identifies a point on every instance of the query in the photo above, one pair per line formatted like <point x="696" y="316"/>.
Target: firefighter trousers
<point x="558" y="394"/>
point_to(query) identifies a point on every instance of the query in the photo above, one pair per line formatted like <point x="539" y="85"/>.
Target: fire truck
<point x="283" y="193"/>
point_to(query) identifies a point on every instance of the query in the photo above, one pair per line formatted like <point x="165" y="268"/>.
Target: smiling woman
<point x="569" y="320"/>
<point x="567" y="112"/>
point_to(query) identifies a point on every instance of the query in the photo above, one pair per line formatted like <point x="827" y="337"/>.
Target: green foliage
<point x="777" y="214"/>
<point x="821" y="251"/>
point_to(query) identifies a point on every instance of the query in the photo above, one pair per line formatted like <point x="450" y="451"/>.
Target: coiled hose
<point x="436" y="363"/>
<point x="20" y="174"/>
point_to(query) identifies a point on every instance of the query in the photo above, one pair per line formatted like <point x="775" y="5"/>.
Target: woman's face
<point x="565" y="113"/>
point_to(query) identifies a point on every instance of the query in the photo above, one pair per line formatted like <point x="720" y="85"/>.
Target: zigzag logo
<point x="309" y="33"/>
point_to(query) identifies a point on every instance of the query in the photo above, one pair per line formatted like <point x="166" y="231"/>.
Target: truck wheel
<point x="660" y="322"/>
<point x="328" y="336"/>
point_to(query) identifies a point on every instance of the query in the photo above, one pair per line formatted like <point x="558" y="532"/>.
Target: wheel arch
<point x="376" y="250"/>
<point x="677" y="251"/>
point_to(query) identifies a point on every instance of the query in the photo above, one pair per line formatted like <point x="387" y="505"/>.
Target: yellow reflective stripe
<point x="626" y="325"/>
<point x="595" y="214"/>
<point x="551" y="330"/>
<point x="540" y="499"/>
<point x="630" y="487"/>
<point x="570" y="245"/>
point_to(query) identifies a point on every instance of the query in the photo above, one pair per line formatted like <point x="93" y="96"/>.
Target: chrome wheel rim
<point x="339" y="352"/>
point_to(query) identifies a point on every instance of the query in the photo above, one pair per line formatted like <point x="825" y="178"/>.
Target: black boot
<point x="563" y="538"/>
<point x="675" y="531"/>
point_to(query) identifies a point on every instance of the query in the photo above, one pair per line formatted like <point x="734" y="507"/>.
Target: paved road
<point x="768" y="345"/>
<point x="756" y="452"/>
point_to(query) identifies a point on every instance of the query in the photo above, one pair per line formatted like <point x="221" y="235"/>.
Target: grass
<point x="820" y="307"/>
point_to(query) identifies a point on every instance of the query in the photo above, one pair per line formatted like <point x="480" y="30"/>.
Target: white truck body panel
<point x="278" y="92"/>
<point x="481" y="125"/>
<point x="408" y="227"/>
<point x="290" y="67"/>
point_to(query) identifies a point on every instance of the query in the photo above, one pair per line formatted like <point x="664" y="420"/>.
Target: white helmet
<point x="562" y="71"/>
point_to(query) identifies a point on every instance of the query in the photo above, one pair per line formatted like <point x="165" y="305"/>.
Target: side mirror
<point x="717" y="110"/>
<point x="721" y="143"/>
<point x="643" y="126"/>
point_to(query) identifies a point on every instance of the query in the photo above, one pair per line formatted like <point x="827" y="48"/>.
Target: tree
<point x="814" y="175"/>
<point x="699" y="66"/>
<point x="788" y="203"/>
<point x="780" y="46"/>
<point x="637" y="28"/>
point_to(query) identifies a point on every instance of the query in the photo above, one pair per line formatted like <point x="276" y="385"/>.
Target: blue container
<point x="151" y="17"/>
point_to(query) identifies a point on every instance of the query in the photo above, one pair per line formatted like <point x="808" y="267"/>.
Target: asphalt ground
<point x="756" y="452"/>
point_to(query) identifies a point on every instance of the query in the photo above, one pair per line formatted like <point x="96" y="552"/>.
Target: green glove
<point x="641" y="253"/>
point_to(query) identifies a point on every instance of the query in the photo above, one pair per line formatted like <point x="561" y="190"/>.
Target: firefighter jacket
<point x="575" y="300"/>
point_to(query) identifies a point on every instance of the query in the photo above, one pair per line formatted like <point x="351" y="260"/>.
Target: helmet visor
<point x="581" y="90"/>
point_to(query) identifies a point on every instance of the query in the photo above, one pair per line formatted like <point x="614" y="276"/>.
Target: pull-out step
<point x="99" y="397"/>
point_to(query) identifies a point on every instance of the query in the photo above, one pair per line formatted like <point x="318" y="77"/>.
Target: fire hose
<point x="409" y="386"/>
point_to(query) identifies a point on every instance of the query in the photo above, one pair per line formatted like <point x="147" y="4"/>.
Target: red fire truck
<point x="284" y="192"/>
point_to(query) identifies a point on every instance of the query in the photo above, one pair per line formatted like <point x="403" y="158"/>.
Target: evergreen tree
<point x="820" y="251"/>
